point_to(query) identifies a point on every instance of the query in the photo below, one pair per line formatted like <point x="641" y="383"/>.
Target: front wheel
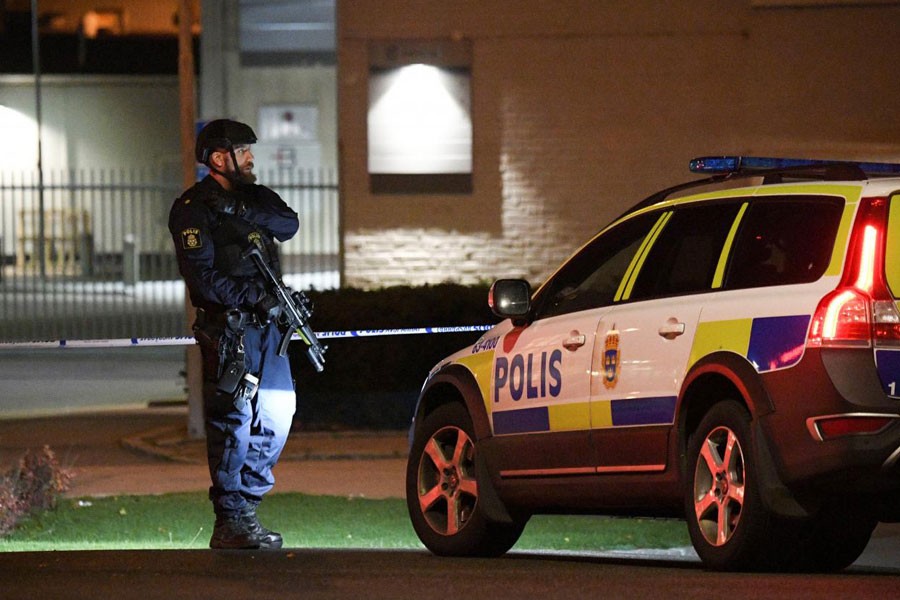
<point x="442" y="491"/>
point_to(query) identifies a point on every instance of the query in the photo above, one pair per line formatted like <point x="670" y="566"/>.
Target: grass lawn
<point x="184" y="521"/>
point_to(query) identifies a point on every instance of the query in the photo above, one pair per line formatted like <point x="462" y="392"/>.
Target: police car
<point x="731" y="357"/>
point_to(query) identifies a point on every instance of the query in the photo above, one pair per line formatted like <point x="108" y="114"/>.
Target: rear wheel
<point x="835" y="537"/>
<point x="729" y="526"/>
<point x="442" y="492"/>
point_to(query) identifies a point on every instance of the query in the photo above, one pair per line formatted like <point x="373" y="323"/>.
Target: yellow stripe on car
<point x="715" y="336"/>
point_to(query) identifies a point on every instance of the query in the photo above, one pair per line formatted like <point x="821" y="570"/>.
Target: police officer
<point x="248" y="392"/>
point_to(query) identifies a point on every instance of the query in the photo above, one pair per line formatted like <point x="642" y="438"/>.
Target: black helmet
<point x="222" y="134"/>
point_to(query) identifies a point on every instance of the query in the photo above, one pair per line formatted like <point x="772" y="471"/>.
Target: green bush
<point x="373" y="382"/>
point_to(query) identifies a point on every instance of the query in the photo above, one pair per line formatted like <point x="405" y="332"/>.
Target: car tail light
<point x="861" y="310"/>
<point x="834" y="426"/>
<point x="842" y="319"/>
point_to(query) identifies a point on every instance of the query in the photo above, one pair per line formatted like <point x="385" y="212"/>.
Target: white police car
<point x="732" y="357"/>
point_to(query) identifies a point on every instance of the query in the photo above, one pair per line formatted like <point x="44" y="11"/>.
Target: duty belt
<point x="238" y="320"/>
<point x="233" y="318"/>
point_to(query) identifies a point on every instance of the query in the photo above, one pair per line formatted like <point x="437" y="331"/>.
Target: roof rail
<point x="772" y="170"/>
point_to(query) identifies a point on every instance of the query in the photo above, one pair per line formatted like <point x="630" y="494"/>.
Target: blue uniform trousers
<point x="243" y="444"/>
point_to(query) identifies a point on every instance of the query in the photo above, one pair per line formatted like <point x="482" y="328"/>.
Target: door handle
<point x="575" y="341"/>
<point x="672" y="329"/>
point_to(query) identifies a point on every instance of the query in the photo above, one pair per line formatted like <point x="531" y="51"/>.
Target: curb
<point x="148" y="443"/>
<point x="173" y="444"/>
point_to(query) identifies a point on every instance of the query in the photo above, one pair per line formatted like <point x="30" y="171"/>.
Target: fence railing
<point x="88" y="254"/>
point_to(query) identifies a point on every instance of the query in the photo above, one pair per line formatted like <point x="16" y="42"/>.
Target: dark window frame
<point x="575" y="286"/>
<point x="658" y="274"/>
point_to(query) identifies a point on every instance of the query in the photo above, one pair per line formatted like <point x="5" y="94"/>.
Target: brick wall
<point x="580" y="109"/>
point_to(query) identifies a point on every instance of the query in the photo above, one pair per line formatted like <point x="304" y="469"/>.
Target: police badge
<point x="611" y="359"/>
<point x="190" y="239"/>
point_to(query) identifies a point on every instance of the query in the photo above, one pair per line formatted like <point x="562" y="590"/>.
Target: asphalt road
<point x="313" y="574"/>
<point x="64" y="380"/>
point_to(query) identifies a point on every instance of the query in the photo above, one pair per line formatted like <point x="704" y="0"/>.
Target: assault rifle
<point x="296" y="310"/>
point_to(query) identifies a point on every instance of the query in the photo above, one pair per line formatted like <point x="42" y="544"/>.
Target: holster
<point x="208" y="330"/>
<point x="214" y="332"/>
<point x="223" y="333"/>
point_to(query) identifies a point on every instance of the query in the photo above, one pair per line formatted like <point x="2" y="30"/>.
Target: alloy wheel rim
<point x="719" y="484"/>
<point x="448" y="491"/>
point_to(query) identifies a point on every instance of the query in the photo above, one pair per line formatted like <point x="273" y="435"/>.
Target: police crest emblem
<point x="611" y="359"/>
<point x="190" y="239"/>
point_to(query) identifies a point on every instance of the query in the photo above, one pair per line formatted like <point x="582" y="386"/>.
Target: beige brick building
<point x="579" y="108"/>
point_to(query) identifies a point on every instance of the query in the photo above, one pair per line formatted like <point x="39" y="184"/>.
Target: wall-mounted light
<point x="419" y="121"/>
<point x="420" y="117"/>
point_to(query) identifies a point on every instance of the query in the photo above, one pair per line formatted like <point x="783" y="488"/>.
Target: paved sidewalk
<point x="348" y="463"/>
<point x="148" y="451"/>
<point x="172" y="443"/>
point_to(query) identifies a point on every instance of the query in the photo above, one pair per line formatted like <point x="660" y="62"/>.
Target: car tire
<point x="835" y="537"/>
<point x="729" y="525"/>
<point x="442" y="490"/>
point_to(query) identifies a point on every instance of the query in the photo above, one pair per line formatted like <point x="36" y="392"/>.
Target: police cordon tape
<point x="188" y="340"/>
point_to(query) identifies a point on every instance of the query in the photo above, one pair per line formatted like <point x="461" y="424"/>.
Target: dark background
<point x="373" y="382"/>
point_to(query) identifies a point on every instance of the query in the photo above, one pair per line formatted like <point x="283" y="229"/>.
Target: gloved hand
<point x="267" y="309"/>
<point x="230" y="204"/>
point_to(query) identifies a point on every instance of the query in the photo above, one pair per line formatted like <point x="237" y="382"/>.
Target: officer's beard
<point x="247" y="177"/>
<point x="244" y="175"/>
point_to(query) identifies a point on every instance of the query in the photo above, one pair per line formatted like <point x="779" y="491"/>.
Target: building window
<point x="419" y="123"/>
<point x="288" y="137"/>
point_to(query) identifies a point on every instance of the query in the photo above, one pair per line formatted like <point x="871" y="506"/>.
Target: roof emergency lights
<point x="735" y="164"/>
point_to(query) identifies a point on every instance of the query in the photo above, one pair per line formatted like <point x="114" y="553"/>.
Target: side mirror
<point x="510" y="298"/>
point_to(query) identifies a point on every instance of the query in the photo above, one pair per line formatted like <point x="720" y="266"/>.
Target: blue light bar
<point x="734" y="164"/>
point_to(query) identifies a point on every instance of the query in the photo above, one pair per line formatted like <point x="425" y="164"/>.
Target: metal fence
<point x="88" y="254"/>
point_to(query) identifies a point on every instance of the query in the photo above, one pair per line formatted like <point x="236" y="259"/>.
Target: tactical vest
<point x="231" y="236"/>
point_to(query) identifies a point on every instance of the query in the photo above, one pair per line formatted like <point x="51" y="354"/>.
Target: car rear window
<point x="783" y="241"/>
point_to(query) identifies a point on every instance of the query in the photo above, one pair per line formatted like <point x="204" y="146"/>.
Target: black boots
<point x="243" y="532"/>
<point x="268" y="539"/>
<point x="233" y="534"/>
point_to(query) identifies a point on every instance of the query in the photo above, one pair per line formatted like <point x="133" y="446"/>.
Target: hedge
<point x="373" y="382"/>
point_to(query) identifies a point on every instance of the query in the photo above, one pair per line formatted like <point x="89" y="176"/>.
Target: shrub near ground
<point x="373" y="382"/>
<point x="34" y="485"/>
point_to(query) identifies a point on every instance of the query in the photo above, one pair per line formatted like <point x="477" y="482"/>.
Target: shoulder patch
<point x="190" y="239"/>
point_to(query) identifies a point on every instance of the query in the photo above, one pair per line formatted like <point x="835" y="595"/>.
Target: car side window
<point x="685" y="255"/>
<point x="591" y="278"/>
<point x="784" y="241"/>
